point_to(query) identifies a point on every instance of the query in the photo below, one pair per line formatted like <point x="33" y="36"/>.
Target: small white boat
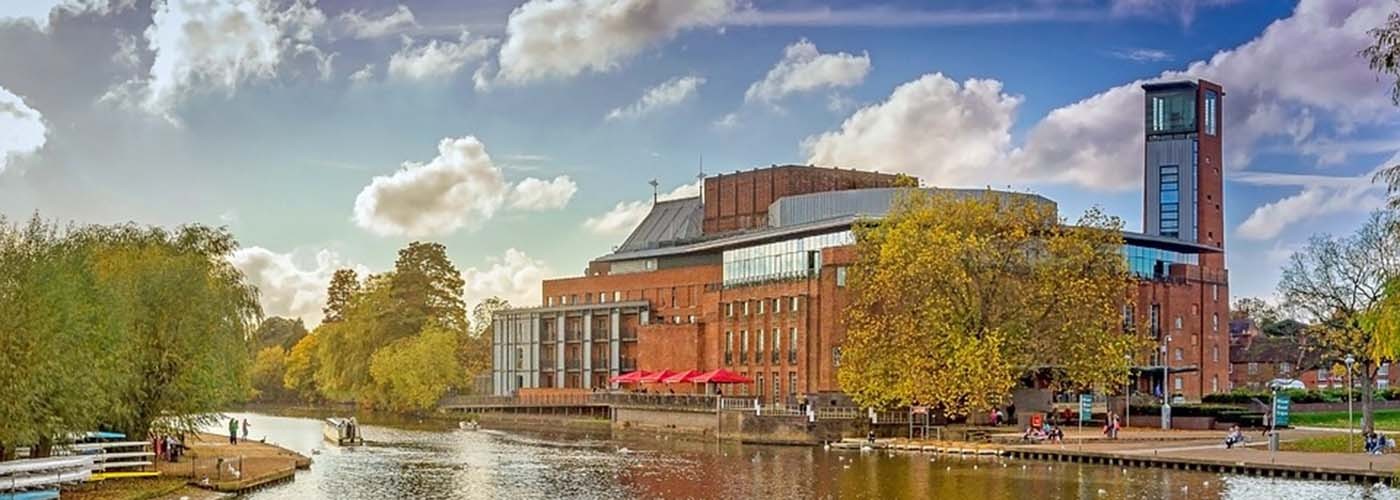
<point x="468" y="425"/>
<point x="342" y="431"/>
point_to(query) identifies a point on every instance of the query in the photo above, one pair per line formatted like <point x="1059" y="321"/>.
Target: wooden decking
<point x="212" y="463"/>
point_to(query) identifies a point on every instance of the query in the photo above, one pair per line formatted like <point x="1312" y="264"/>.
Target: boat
<point x="468" y="425"/>
<point x="342" y="431"/>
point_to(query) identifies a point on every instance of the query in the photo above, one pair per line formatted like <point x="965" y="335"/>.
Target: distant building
<point x="751" y="277"/>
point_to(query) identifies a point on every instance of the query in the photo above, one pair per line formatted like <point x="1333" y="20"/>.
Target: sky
<point x="522" y="134"/>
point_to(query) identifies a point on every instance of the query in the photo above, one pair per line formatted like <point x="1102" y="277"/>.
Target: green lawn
<point x="1386" y="420"/>
<point x="1328" y="444"/>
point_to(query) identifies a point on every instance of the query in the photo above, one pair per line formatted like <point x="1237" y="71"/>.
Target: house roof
<point x="668" y="221"/>
<point x="1264" y="349"/>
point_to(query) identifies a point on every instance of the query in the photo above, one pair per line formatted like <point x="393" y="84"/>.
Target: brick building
<point x="750" y="277"/>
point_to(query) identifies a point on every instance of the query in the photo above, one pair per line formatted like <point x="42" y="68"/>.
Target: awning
<point x="720" y="376"/>
<point x="680" y="377"/>
<point x="629" y="377"/>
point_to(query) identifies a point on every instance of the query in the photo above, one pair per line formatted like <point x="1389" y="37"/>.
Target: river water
<point x="411" y="459"/>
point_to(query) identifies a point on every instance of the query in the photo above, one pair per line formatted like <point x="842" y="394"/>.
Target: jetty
<point x="213" y="463"/>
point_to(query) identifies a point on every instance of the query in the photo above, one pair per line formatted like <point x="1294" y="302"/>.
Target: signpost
<point x="1281" y="405"/>
<point x="1086" y="411"/>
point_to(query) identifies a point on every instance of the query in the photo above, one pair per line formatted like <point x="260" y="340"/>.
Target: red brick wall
<point x="740" y="200"/>
<point x="1210" y="214"/>
<point x="1204" y="344"/>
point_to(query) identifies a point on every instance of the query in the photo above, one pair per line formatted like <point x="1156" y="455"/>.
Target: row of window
<point x="760" y="346"/>
<point x="795" y="258"/>
<point x="761" y="389"/>
<point x="761" y="306"/>
<point x="565" y="300"/>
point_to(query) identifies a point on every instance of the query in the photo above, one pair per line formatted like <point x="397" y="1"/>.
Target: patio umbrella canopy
<point x="720" y="376"/>
<point x="632" y="377"/>
<point x="680" y="377"/>
<point x="657" y="376"/>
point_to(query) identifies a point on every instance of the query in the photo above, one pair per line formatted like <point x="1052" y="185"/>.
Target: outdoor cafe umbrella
<point x="631" y="377"/>
<point x="657" y="376"/>
<point x="679" y="377"/>
<point x="720" y="376"/>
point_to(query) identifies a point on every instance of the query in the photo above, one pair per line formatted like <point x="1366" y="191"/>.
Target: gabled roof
<point x="668" y="221"/>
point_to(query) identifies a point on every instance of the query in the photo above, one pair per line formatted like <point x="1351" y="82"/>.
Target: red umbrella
<point x="720" y="376"/>
<point x="628" y="378"/>
<point x="654" y="377"/>
<point x="681" y="377"/>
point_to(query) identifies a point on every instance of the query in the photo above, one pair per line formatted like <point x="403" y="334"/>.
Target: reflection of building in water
<point x="751" y="275"/>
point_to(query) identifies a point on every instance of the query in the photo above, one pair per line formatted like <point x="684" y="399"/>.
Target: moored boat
<point x="342" y="431"/>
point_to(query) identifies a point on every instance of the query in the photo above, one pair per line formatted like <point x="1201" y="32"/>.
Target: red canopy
<point x="684" y="376"/>
<point x="720" y="376"/>
<point x="629" y="377"/>
<point x="654" y="377"/>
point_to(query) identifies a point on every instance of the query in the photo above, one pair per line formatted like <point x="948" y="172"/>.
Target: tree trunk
<point x="43" y="449"/>
<point x="1368" y="375"/>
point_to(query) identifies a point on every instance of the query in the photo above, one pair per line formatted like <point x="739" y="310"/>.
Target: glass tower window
<point x="1172" y="113"/>
<point x="779" y="260"/>
<point x="1211" y="100"/>
<point x="1170" y="189"/>
<point x="1148" y="263"/>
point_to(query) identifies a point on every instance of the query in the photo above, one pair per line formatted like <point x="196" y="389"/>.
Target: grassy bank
<point x="1386" y="420"/>
<point x="132" y="489"/>
<point x="1325" y="444"/>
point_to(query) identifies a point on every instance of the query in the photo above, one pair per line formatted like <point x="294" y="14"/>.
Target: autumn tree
<point x="414" y="372"/>
<point x="955" y="298"/>
<point x="267" y="372"/>
<point x="1335" y="284"/>
<point x="345" y="283"/>
<point x="278" y="331"/>
<point x="299" y="373"/>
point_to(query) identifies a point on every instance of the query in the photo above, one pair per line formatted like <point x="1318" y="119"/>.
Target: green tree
<point x="415" y="372"/>
<point x="954" y="299"/>
<point x="279" y="331"/>
<point x="299" y="376"/>
<point x="427" y="288"/>
<point x="345" y="283"/>
<point x="268" y="370"/>
<point x="1383" y="55"/>
<point x="1336" y="283"/>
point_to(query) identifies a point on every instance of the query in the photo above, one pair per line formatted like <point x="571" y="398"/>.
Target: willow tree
<point x="954" y="299"/>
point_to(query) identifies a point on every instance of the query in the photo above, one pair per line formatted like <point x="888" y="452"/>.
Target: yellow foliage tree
<point x="299" y="375"/>
<point x="413" y="373"/>
<point x="954" y="298"/>
<point x="268" y="370"/>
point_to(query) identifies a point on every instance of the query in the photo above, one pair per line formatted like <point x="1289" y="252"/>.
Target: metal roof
<point x="734" y="239"/>
<point x="668" y="221"/>
<point x="810" y="207"/>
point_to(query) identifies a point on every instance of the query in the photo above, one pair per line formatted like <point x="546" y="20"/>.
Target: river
<point x="433" y="460"/>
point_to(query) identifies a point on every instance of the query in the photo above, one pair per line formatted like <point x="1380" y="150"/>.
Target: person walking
<point x="232" y="431"/>
<point x="245" y="429"/>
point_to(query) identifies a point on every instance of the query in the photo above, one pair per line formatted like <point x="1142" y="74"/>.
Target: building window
<point x="602" y="297"/>
<point x="1154" y="320"/>
<point x="841" y="276"/>
<point x="1178" y="354"/>
<point x="549" y="301"/>
<point x="777" y="344"/>
<point x="1176" y="384"/>
<point x="761" y="304"/>
<point x="793" y="308"/>
<point x="746" y="308"/>
<point x="1323" y="377"/>
<point x="777" y="305"/>
<point x="1384" y="370"/>
<point x="617" y="296"/>
<point x="1170" y="201"/>
<point x="792" y="384"/>
<point x="692" y="319"/>
<point x="1215" y="293"/>
<point x="836" y="357"/>
<point x="1178" y="322"/>
<point x="758" y="384"/>
<point x="743" y="346"/>
<point x="1284" y="368"/>
<point x="1214" y="383"/>
<point x="1128" y="319"/>
<point x="1215" y="353"/>
<point x="728" y="348"/>
<point x="777" y="387"/>
<point x="1253" y="368"/>
<point x="792" y="345"/>
<point x="729" y="309"/>
<point x="758" y="348"/>
<point x="1214" y="322"/>
<point x="573" y="299"/>
<point x="1211" y="99"/>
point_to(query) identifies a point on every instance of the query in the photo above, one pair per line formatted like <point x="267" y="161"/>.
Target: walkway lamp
<point x="1350" y="360"/>
<point x="1128" y="394"/>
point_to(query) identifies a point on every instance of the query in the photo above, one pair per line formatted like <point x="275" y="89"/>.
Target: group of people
<point x="233" y="430"/>
<point x="999" y="417"/>
<point x="1233" y="437"/>
<point x="167" y="447"/>
<point x="1376" y="443"/>
<point x="1111" y="426"/>
<point x="1046" y="432"/>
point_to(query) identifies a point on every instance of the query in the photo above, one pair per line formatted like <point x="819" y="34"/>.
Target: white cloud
<point x="459" y="188"/>
<point x="804" y="69"/>
<point x="1270" y="81"/>
<point x="363" y="75"/>
<point x="1321" y="195"/>
<point x="627" y="214"/>
<point x="287" y="289"/>
<point x="514" y="276"/>
<point x="668" y="93"/>
<point x="437" y="59"/>
<point x="563" y="38"/>
<point x="1185" y="10"/>
<point x="39" y="11"/>
<point x="1142" y="55"/>
<point x="358" y="24"/>
<point x="128" y="54"/>
<point x="727" y="121"/>
<point x="22" y="129"/>
<point x="536" y="194"/>
<point x="948" y="133"/>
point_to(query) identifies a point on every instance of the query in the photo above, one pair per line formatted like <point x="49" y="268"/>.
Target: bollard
<point x="1273" y="441"/>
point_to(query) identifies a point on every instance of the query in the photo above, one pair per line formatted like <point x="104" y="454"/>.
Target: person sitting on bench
<point x="1234" y="437"/>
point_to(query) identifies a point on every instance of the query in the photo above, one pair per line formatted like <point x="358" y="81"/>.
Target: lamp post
<point x="1351" y="434"/>
<point x="1128" y="394"/>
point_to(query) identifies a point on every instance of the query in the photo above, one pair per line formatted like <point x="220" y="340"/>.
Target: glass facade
<point x="1172" y="113"/>
<point x="779" y="260"/>
<point x="1211" y="99"/>
<point x="1148" y="263"/>
<point x="1170" y="210"/>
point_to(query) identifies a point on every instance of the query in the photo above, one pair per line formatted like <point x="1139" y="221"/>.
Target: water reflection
<point x="409" y="459"/>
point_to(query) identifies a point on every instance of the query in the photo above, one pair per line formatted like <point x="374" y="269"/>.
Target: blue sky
<point x="331" y="133"/>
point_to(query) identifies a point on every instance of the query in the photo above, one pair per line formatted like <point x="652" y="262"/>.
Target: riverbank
<point x="1180" y="450"/>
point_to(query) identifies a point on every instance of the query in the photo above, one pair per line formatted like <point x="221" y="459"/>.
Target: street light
<point x="1351" y="434"/>
<point x="1128" y="394"/>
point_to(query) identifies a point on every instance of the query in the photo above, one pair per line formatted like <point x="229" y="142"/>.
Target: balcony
<point x="573" y="364"/>
<point x="573" y="336"/>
